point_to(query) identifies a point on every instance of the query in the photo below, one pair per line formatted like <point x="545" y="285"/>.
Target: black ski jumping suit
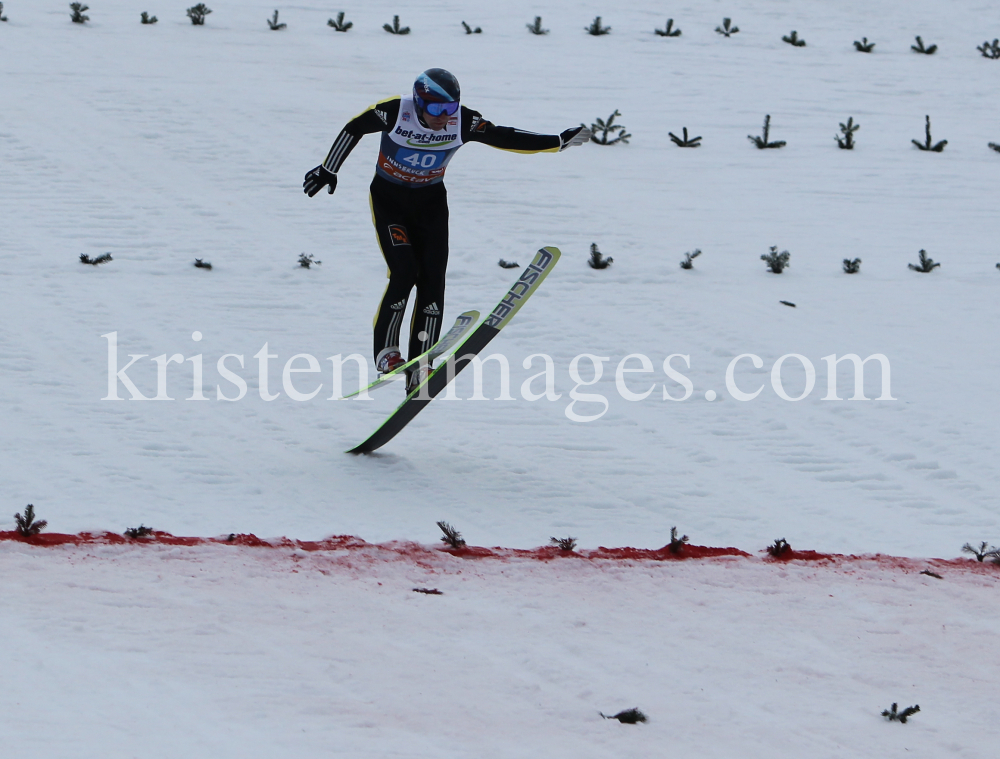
<point x="410" y="205"/>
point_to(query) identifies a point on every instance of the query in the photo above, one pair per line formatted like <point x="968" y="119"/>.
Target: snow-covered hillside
<point x="164" y="143"/>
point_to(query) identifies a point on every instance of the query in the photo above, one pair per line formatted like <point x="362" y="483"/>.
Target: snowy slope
<point x="165" y="651"/>
<point x="165" y="143"/>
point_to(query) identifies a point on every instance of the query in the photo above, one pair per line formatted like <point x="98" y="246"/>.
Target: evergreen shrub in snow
<point x="694" y="142"/>
<point x="919" y="47"/>
<point x="307" y="261"/>
<point x="765" y="141"/>
<point x="793" y="39"/>
<point x="596" y="29"/>
<point x="451" y="537"/>
<point x="395" y="28"/>
<point x="470" y="30"/>
<point x="145" y="18"/>
<point x="676" y="543"/>
<point x="669" y="30"/>
<point x="779" y="547"/>
<point x="27" y="525"/>
<point x="688" y="262"/>
<point x="101" y="259"/>
<point x="988" y="49"/>
<point x="273" y="23"/>
<point x="564" y="544"/>
<point x="597" y="259"/>
<point x="985" y="550"/>
<point x="852" y="267"/>
<point x="928" y="144"/>
<point x="727" y="29"/>
<point x="199" y="264"/>
<point x="776" y="262"/>
<point x="78" y="9"/>
<point x="142" y="531"/>
<point x="893" y="716"/>
<point x="848" y="130"/>
<point x="628" y="717"/>
<point x="607" y="129"/>
<point x="864" y="46"/>
<point x="197" y="14"/>
<point x="926" y="264"/>
<point x="340" y="25"/>
<point x="536" y="28"/>
<point x="504" y="264"/>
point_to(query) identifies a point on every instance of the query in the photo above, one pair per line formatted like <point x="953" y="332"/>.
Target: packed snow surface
<point x="162" y="144"/>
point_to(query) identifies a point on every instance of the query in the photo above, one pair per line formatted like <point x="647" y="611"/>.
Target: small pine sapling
<point x="628" y="717"/>
<point x="101" y="259"/>
<point x="688" y="262"/>
<point x="928" y="143"/>
<point x="307" y="261"/>
<point x="145" y="18"/>
<point x="919" y="47"/>
<point x="764" y="141"/>
<point x="694" y="142"/>
<point x="984" y="551"/>
<point x="852" y="266"/>
<point x="669" y="30"/>
<point x="142" y="531"/>
<point x="595" y="29"/>
<point x="2" y="17"/>
<point x="395" y="28"/>
<point x="779" y="548"/>
<point x="607" y="128"/>
<point x="563" y="544"/>
<point x="340" y="25"/>
<point x="504" y="264"/>
<point x="27" y="525"/>
<point x="78" y="9"/>
<point x="893" y="716"/>
<point x="847" y="141"/>
<point x="864" y="46"/>
<point x="199" y="264"/>
<point x="451" y="537"/>
<point x="536" y="28"/>
<point x="776" y="262"/>
<point x="197" y="14"/>
<point x="273" y="23"/>
<point x="990" y="49"/>
<point x="926" y="264"/>
<point x="597" y="259"/>
<point x="727" y="29"/>
<point x="470" y="30"/>
<point x="676" y="543"/>
<point x="793" y="39"/>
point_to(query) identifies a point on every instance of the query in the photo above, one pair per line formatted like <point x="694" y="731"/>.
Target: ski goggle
<point x="436" y="109"/>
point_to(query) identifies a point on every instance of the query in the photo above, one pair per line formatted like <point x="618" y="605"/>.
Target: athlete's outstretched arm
<point x="376" y="118"/>
<point x="477" y="129"/>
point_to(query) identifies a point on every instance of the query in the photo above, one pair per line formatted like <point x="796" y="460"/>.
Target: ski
<point x="544" y="261"/>
<point x="462" y="325"/>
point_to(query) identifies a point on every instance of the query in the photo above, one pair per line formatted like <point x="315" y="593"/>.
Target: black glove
<point x="575" y="136"/>
<point x="317" y="179"/>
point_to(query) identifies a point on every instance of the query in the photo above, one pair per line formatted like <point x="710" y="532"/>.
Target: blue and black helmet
<point x="436" y="91"/>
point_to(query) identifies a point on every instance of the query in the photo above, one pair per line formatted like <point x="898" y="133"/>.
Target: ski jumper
<point x="409" y="205"/>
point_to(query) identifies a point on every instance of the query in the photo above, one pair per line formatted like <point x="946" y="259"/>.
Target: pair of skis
<point x="465" y="350"/>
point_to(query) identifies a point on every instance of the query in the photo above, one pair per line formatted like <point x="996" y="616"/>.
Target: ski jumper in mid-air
<point x="420" y="134"/>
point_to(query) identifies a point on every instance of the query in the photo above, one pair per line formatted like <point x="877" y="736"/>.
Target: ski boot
<point x="389" y="361"/>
